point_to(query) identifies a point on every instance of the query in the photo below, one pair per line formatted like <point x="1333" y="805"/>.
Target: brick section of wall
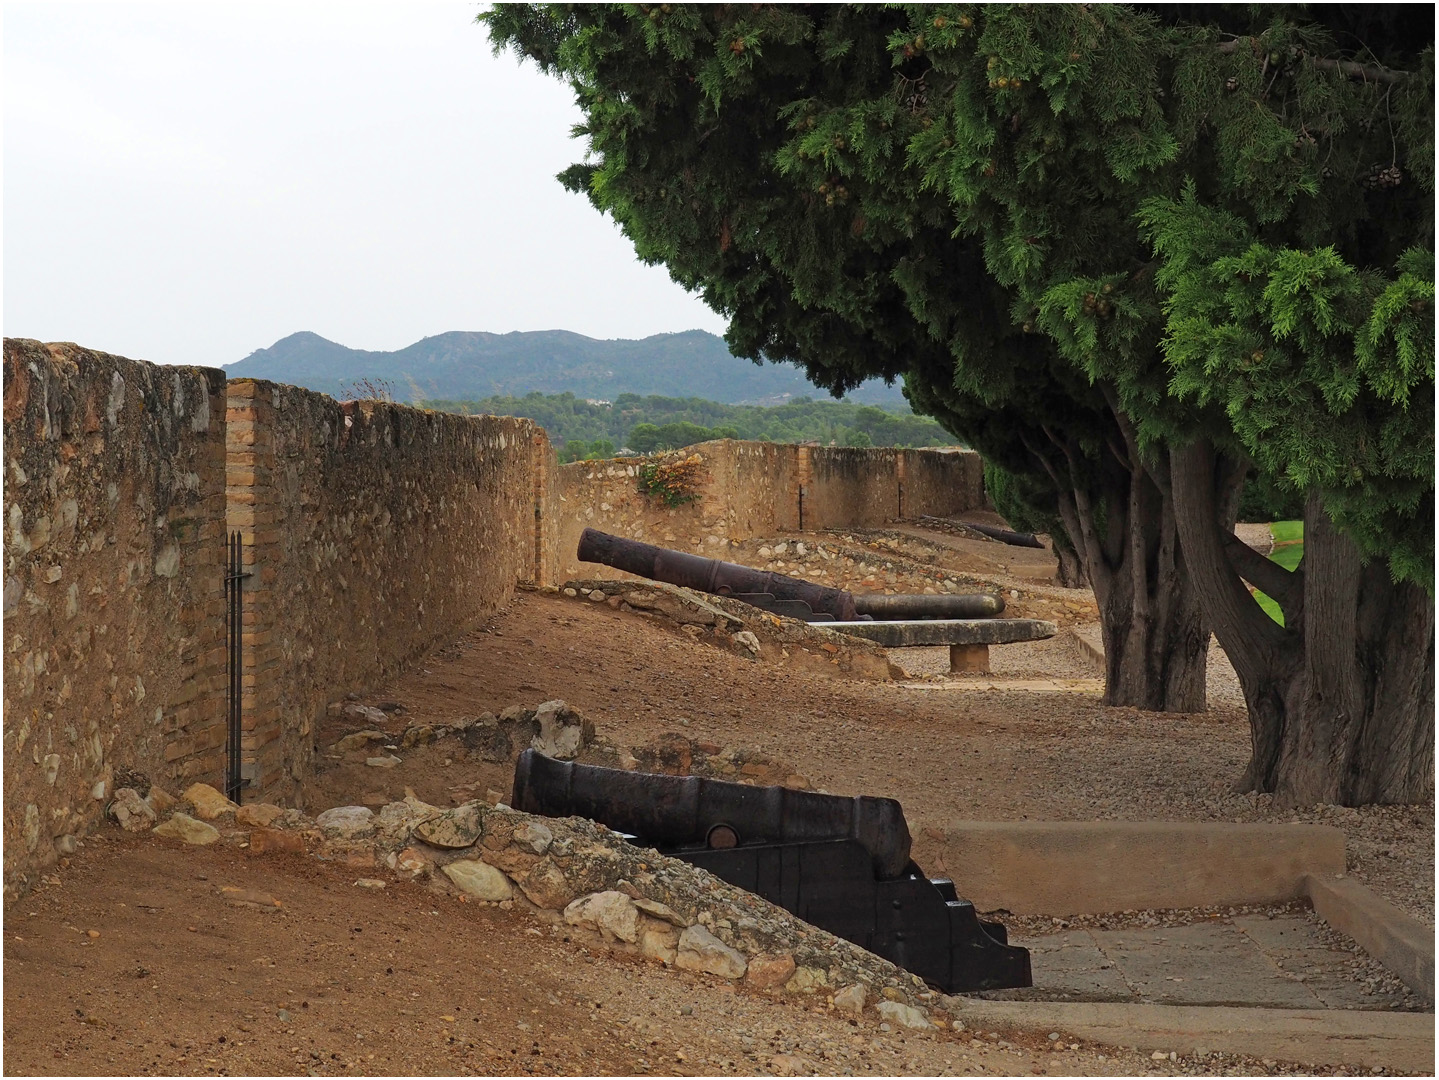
<point x="372" y="532"/>
<point x="114" y="604"/>
<point x="751" y="489"/>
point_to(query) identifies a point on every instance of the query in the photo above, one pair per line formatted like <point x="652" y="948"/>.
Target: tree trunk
<point x="1122" y="522"/>
<point x="1341" y="697"/>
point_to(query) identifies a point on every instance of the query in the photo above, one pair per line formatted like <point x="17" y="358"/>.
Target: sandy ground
<point x="406" y="981"/>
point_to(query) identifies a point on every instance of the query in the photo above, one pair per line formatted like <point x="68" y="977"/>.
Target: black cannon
<point x="839" y="863"/>
<point x="765" y="589"/>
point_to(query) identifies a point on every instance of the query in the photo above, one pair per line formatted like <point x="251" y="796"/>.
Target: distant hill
<point x="463" y="366"/>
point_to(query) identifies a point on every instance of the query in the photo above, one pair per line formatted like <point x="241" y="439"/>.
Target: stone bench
<point x="968" y="639"/>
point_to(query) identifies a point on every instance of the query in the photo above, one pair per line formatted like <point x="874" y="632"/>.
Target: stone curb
<point x="1092" y="652"/>
<point x="1398" y="941"/>
<point x="1089" y="867"/>
<point x="1400" y="1042"/>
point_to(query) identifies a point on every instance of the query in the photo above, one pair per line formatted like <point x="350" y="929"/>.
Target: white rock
<point x="903" y="1015"/>
<point x="480" y="880"/>
<point x="851" y="999"/>
<point x="533" y="836"/>
<point x="610" y="912"/>
<point x="748" y="640"/>
<point x="389" y="761"/>
<point x="699" y="950"/>
<point x="132" y="812"/>
<point x="561" y="730"/>
<point x="347" y="821"/>
<point x="368" y="713"/>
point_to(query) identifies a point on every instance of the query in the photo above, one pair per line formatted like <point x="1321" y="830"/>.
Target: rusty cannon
<point x="841" y="864"/>
<point x="765" y="589"/>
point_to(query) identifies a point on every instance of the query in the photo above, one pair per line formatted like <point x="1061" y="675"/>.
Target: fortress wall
<point x="755" y="489"/>
<point x="374" y="532"/>
<point x="114" y="509"/>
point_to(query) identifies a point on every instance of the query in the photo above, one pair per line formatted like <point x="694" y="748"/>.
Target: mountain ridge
<point x="474" y="364"/>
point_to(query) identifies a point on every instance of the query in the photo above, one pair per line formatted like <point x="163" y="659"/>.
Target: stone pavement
<point x="1283" y="962"/>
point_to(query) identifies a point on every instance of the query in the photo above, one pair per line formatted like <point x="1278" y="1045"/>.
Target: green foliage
<point x="1289" y="553"/>
<point x="673" y="481"/>
<point x="1324" y="371"/>
<point x="629" y="420"/>
<point x="579" y="450"/>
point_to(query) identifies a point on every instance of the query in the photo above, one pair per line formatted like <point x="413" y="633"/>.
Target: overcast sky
<point x="185" y="183"/>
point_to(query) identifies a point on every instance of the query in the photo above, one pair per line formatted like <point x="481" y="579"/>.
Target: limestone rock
<point x="699" y="950"/>
<point x="236" y="894"/>
<point x="746" y="639"/>
<point x="385" y="761"/>
<point x="347" y="822"/>
<point x="658" y="941"/>
<point x="806" y="980"/>
<point x="453" y="829"/>
<point x="563" y="731"/>
<point x="769" y="971"/>
<point x="533" y="836"/>
<point x="209" y="804"/>
<point x="368" y="713"/>
<point x="418" y="735"/>
<point x="657" y="910"/>
<point x="903" y="1015"/>
<point x="358" y="740"/>
<point x="480" y="880"/>
<point x="132" y="812"/>
<point x="160" y="800"/>
<point x="410" y="860"/>
<point x="611" y="913"/>
<point x="851" y="1000"/>
<point x="184" y="827"/>
<point x="546" y="886"/>
<point x="256" y="814"/>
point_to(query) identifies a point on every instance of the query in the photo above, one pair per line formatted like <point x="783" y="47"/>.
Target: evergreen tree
<point x="1130" y="255"/>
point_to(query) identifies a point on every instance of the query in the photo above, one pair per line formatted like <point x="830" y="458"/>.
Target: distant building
<point x="597" y="401"/>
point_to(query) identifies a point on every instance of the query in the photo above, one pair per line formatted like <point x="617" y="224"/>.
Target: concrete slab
<point x="1069" y="967"/>
<point x="1201" y="965"/>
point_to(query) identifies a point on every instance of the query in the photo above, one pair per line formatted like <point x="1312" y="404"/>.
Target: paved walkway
<point x="1282" y="962"/>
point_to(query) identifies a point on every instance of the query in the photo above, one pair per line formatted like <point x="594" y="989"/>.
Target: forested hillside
<point x="467" y="366"/>
<point x="643" y="424"/>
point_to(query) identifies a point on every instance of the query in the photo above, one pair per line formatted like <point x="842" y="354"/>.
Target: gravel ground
<point x="1391" y="848"/>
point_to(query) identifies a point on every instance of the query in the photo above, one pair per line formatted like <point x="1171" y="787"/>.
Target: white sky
<point x="185" y="183"/>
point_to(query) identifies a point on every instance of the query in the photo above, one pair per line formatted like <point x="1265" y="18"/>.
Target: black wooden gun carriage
<point x="841" y="864"/>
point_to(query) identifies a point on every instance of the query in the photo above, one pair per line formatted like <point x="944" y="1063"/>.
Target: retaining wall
<point x="114" y="610"/>
<point x="373" y="532"/>
<point x="754" y="489"/>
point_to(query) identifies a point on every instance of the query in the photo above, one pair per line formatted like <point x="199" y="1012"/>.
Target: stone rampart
<point x="754" y="489"/>
<point x="373" y="532"/>
<point x="114" y="603"/>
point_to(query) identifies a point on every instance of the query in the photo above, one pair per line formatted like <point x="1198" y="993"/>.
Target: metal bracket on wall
<point x="234" y="659"/>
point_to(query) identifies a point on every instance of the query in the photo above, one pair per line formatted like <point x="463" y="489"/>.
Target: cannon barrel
<point x="963" y="606"/>
<point x="678" y="811"/>
<point x="731" y="579"/>
<point x="708" y="575"/>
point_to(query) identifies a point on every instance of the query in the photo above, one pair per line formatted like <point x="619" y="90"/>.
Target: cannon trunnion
<point x="841" y="864"/>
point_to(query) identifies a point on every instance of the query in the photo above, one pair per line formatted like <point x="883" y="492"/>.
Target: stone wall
<point x="753" y="489"/>
<point x="373" y="532"/>
<point x="114" y="606"/>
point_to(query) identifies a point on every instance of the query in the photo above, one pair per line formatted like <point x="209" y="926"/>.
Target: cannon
<point x="765" y="589"/>
<point x="839" y="863"/>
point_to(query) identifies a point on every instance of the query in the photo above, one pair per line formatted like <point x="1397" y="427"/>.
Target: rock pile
<point x="575" y="872"/>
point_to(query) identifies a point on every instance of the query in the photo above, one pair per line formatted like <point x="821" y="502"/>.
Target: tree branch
<point x="1264" y="574"/>
<point x="1351" y="68"/>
